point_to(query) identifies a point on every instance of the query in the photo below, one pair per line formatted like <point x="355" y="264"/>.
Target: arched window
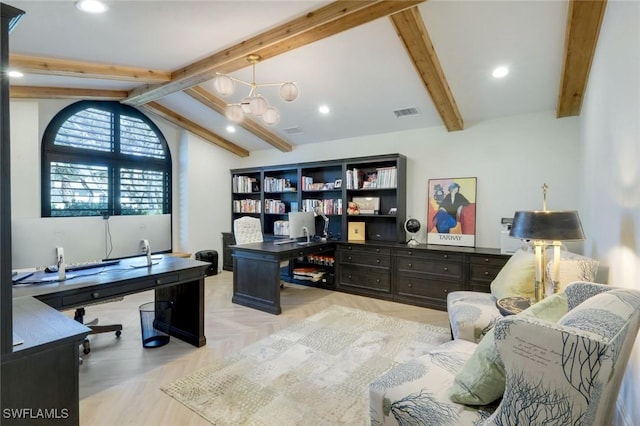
<point x="104" y="158"/>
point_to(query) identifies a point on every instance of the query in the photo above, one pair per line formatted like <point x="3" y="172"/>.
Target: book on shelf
<point x="309" y="274"/>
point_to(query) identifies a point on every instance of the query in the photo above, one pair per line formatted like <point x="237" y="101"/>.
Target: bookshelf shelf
<point x="314" y="185"/>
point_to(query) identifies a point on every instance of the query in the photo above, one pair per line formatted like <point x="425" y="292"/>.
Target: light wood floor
<point x="120" y="380"/>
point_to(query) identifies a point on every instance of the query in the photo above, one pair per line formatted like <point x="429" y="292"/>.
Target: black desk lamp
<point x="543" y="228"/>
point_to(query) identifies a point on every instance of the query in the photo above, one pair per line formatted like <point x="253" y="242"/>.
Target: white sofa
<point x="545" y="364"/>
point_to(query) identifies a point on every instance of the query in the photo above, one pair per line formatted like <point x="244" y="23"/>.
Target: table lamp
<point x="543" y="228"/>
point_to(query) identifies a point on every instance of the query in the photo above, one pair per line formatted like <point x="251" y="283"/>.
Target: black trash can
<point x="155" y="321"/>
<point x="210" y="256"/>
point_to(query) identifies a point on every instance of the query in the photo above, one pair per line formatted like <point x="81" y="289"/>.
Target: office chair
<point x="95" y="328"/>
<point x="247" y="229"/>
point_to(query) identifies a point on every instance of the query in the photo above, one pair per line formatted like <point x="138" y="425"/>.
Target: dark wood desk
<point x="42" y="373"/>
<point x="178" y="280"/>
<point x="256" y="271"/>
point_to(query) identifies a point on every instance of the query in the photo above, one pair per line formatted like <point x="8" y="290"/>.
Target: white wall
<point x="511" y="157"/>
<point x="610" y="134"/>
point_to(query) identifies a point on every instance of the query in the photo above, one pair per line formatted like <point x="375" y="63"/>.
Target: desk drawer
<point x="364" y="258"/>
<point x="104" y="292"/>
<point x="451" y="270"/>
<point x="488" y="260"/>
<point x="363" y="277"/>
<point x="409" y="285"/>
<point x="364" y="248"/>
<point x="426" y="254"/>
<point x="485" y="273"/>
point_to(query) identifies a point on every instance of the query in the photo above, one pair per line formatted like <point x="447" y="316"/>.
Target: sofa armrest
<point x="471" y="314"/>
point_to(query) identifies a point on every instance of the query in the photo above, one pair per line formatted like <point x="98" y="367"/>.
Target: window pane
<point x="141" y="191"/>
<point x="137" y="138"/>
<point x="78" y="189"/>
<point x="90" y="129"/>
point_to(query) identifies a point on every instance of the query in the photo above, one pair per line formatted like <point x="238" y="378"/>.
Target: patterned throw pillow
<point x="572" y="267"/>
<point x="517" y="276"/>
<point x="482" y="379"/>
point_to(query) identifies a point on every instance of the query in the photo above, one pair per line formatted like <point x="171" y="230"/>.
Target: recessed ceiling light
<point x="231" y="129"/>
<point x="91" y="6"/>
<point x="323" y="109"/>
<point x="15" y="74"/>
<point x="500" y="72"/>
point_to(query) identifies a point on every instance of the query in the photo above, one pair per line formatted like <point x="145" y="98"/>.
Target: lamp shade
<point x="548" y="225"/>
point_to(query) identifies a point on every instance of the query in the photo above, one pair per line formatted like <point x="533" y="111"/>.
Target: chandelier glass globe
<point x="234" y="113"/>
<point x="289" y="92"/>
<point x="244" y="103"/>
<point x="224" y="85"/>
<point x="258" y="105"/>
<point x="271" y="116"/>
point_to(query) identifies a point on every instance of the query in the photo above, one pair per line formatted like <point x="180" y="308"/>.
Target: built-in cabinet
<point x="422" y="275"/>
<point x="271" y="192"/>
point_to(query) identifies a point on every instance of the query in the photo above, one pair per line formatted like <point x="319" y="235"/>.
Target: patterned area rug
<point x="316" y="372"/>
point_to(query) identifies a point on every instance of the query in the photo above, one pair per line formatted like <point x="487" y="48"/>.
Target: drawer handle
<point x="377" y="280"/>
<point x="300" y="253"/>
<point x="377" y="250"/>
<point x="445" y="268"/>
<point x="446" y="256"/>
<point x="377" y="260"/>
<point x="486" y="273"/>
<point x="446" y="291"/>
<point x="409" y="285"/>
<point x="349" y="257"/>
<point x="410" y="265"/>
<point x="410" y="253"/>
<point x="486" y="259"/>
<point x="349" y="248"/>
<point x="349" y="276"/>
<point x="95" y="295"/>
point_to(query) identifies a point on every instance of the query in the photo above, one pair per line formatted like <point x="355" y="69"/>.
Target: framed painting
<point x="451" y="211"/>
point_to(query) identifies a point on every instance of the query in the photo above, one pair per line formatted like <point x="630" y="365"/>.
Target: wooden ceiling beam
<point x="411" y="29"/>
<point x="584" y="20"/>
<point x="207" y="98"/>
<point x="38" y="92"/>
<point x="68" y="68"/>
<point x="317" y="25"/>
<point x="194" y="128"/>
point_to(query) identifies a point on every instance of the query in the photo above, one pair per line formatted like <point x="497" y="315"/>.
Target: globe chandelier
<point x="254" y="103"/>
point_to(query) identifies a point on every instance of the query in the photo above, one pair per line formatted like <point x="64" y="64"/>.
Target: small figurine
<point x="353" y="208"/>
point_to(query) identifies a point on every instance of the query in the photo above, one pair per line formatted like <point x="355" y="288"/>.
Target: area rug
<point x="316" y="372"/>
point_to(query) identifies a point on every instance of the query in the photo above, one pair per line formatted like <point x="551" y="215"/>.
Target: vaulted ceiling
<point x="364" y="59"/>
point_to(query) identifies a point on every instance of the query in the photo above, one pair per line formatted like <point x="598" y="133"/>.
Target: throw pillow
<point x="572" y="267"/>
<point x="517" y="276"/>
<point x="481" y="380"/>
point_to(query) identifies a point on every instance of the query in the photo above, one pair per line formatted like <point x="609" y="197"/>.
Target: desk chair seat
<point x="95" y="328"/>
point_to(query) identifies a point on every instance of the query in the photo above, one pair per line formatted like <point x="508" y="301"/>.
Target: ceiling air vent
<point x="406" y="112"/>
<point x="293" y="130"/>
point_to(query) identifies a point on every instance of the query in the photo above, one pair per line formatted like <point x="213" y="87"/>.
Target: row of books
<point x="309" y="185"/>
<point x="382" y="177"/>
<point x="246" y="206"/>
<point x="272" y="184"/>
<point x="331" y="206"/>
<point x="244" y="184"/>
<point x="274" y="206"/>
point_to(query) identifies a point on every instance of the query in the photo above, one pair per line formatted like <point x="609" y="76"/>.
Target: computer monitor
<point x="299" y="221"/>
